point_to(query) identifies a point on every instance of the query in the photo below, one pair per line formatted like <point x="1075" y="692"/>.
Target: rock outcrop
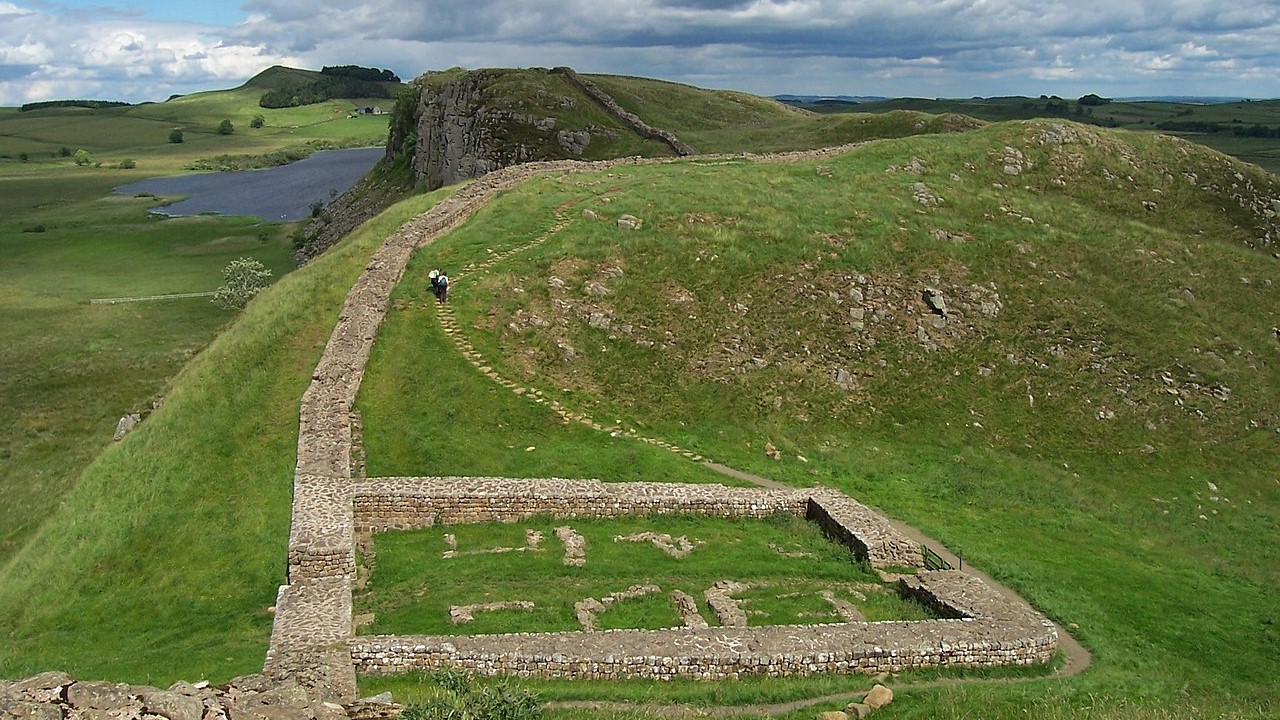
<point x="465" y="125"/>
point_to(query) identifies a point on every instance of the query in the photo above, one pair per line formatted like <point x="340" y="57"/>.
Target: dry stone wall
<point x="629" y="119"/>
<point x="1004" y="631"/>
<point x="386" y="504"/>
<point x="313" y="643"/>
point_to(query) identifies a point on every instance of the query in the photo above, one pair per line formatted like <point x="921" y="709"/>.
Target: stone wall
<point x="312" y="640"/>
<point x="629" y="119"/>
<point x="1004" y="631"/>
<point x="385" y="504"/>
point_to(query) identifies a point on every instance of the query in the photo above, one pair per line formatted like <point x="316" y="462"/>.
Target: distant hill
<point x="290" y="87"/>
<point x="795" y="99"/>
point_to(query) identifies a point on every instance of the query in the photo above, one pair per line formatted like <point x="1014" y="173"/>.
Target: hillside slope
<point x="1051" y="346"/>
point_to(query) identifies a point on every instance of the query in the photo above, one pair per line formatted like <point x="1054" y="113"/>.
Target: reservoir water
<point x="278" y="194"/>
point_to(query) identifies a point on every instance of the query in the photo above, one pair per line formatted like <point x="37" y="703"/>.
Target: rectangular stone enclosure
<point x="982" y="627"/>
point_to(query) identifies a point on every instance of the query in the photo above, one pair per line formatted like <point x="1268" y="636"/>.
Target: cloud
<point x="889" y="47"/>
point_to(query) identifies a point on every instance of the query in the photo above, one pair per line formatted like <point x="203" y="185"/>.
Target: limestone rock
<point x="630" y="222"/>
<point x="24" y="710"/>
<point x="772" y="451"/>
<point x="53" y="680"/>
<point x="100" y="696"/>
<point x="936" y="302"/>
<point x="878" y="697"/>
<point x="843" y="379"/>
<point x="857" y="710"/>
<point x="172" y="705"/>
<point x="126" y="423"/>
<point x="833" y="715"/>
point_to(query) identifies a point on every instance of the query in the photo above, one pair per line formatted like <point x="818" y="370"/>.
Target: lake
<point x="278" y="194"/>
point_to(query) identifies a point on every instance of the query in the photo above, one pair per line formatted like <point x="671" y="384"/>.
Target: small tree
<point x="257" y="122"/>
<point x="243" y="277"/>
<point x="64" y="151"/>
<point x="175" y="136"/>
<point x="82" y="157"/>
<point x="226" y="128"/>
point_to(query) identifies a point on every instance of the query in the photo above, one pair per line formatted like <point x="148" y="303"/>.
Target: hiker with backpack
<point x="442" y="287"/>
<point x="434" y="277"/>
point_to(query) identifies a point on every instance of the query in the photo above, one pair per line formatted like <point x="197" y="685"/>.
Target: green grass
<point x="413" y="584"/>
<point x="1066" y="468"/>
<point x="162" y="559"/>
<point x="1134" y="115"/>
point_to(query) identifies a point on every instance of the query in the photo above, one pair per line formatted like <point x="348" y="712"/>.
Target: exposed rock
<point x="936" y="302"/>
<point x="100" y="696"/>
<point x="575" y="141"/>
<point x="26" y="710"/>
<point x="833" y="715"/>
<point x="844" y="379"/>
<point x="630" y="222"/>
<point x="857" y="710"/>
<point x="772" y="451"/>
<point x="126" y="423"/>
<point x="878" y="697"/>
<point x="590" y="214"/>
<point x="172" y="705"/>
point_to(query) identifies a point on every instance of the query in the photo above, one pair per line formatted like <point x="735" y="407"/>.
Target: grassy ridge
<point x="1075" y="444"/>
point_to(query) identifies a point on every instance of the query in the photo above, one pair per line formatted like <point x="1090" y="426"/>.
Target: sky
<point x="148" y="50"/>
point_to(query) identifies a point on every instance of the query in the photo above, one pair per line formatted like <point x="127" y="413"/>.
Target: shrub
<point x="64" y="151"/>
<point x="82" y="157"/>
<point x="226" y="128"/>
<point x="24" y="157"/>
<point x="175" y="136"/>
<point x="34" y="228"/>
<point x="243" y="277"/>
<point x="459" y="695"/>
<point x="127" y="164"/>
<point x="257" y="122"/>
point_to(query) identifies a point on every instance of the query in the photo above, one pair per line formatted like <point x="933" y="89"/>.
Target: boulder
<point x="101" y="696"/>
<point x="45" y="681"/>
<point x="26" y="710"/>
<point x="630" y="222"/>
<point x="126" y="423"/>
<point x="936" y="302"/>
<point x="172" y="705"/>
<point x="857" y="710"/>
<point x="833" y="715"/>
<point x="878" y="697"/>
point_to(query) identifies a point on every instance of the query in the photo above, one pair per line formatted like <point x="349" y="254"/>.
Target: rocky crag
<point x="466" y="124"/>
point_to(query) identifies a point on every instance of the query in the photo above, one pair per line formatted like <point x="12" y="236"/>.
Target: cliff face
<point x="466" y="124"/>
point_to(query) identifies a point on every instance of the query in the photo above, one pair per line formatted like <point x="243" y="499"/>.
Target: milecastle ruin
<point x="313" y="638"/>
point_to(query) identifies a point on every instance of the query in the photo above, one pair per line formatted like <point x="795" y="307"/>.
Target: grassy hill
<point x="1092" y="420"/>
<point x="1226" y="126"/>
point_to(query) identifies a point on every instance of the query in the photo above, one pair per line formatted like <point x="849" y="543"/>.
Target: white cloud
<point x="925" y="47"/>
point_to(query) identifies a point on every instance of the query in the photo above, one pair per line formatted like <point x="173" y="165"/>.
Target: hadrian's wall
<point x="312" y="639"/>
<point x="1004" y="631"/>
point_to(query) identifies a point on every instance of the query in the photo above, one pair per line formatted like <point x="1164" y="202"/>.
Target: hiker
<point x="434" y="277"/>
<point x="442" y="287"/>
